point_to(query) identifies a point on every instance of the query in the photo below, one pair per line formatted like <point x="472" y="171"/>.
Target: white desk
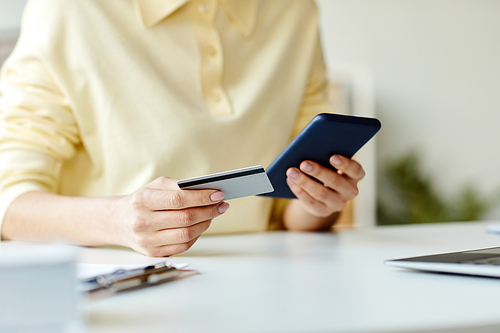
<point x="308" y="282"/>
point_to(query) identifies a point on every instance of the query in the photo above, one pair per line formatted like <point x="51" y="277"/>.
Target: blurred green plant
<point x="414" y="200"/>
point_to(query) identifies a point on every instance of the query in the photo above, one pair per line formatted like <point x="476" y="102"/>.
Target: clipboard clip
<point x="123" y="279"/>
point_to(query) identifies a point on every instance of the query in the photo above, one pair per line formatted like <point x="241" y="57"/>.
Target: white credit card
<point x="234" y="183"/>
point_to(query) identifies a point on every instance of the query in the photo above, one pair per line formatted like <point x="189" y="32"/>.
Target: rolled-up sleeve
<point x="37" y="128"/>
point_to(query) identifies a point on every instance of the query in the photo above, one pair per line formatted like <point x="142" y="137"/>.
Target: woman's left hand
<point x="330" y="192"/>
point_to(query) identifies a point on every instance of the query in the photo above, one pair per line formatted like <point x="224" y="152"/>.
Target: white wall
<point x="436" y="67"/>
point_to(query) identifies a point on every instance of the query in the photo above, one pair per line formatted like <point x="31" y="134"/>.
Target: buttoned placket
<point x="211" y="57"/>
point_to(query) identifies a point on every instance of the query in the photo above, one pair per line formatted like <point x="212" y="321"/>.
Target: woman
<point x="102" y="97"/>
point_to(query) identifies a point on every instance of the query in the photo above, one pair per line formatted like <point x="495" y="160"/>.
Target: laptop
<point x="481" y="262"/>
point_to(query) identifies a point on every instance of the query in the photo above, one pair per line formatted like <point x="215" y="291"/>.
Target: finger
<point x="168" y="241"/>
<point x="347" y="166"/>
<point x="345" y="186"/>
<point x="162" y="220"/>
<point x="164" y="183"/>
<point x="179" y="235"/>
<point x="314" y="188"/>
<point x="311" y="205"/>
<point x="160" y="199"/>
<point x="169" y="250"/>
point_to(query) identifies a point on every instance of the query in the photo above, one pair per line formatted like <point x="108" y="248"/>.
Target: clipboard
<point x="104" y="285"/>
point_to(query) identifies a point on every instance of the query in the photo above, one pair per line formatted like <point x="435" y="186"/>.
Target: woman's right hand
<point x="161" y="220"/>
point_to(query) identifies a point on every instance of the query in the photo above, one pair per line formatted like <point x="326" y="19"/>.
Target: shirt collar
<point x="241" y="13"/>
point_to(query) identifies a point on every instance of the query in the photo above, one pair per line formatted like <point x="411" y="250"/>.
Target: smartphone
<point x="325" y="135"/>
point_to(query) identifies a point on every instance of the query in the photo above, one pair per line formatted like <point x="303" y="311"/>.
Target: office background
<point x="434" y="66"/>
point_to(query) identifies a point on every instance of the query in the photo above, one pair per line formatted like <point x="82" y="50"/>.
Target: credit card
<point x="234" y="183"/>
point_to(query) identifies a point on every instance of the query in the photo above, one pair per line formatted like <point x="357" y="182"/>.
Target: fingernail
<point x="292" y="173"/>
<point x="306" y="166"/>
<point x="217" y="196"/>
<point x="223" y="207"/>
<point x="335" y="160"/>
<point x="291" y="181"/>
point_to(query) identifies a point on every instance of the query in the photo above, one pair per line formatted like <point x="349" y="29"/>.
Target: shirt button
<point x="211" y="51"/>
<point x="215" y="97"/>
<point x="203" y="8"/>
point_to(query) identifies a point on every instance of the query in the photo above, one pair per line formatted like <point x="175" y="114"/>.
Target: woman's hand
<point x="320" y="200"/>
<point x="161" y="220"/>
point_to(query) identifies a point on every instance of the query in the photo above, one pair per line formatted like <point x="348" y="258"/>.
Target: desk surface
<point x="308" y="282"/>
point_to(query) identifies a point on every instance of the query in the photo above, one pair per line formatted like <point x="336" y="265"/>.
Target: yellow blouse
<point x="101" y="97"/>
